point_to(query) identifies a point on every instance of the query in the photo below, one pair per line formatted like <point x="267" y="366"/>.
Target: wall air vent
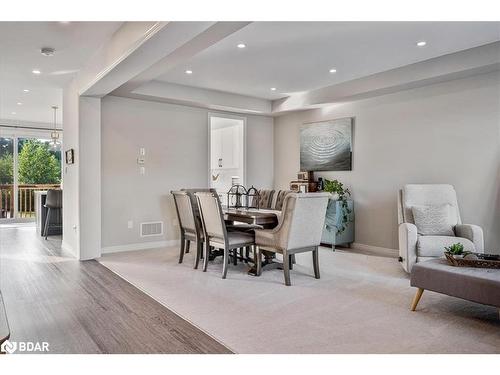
<point x="152" y="228"/>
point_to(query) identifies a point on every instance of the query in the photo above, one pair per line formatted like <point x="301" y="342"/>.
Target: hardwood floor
<point x="82" y="307"/>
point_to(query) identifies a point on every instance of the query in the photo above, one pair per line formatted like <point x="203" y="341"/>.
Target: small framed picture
<point x="70" y="156"/>
<point x="299" y="186"/>
<point x="302" y="176"/>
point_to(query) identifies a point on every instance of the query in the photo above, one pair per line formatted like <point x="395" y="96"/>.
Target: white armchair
<point x="414" y="247"/>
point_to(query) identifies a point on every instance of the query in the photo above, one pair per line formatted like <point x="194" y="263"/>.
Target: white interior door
<point x="227" y="151"/>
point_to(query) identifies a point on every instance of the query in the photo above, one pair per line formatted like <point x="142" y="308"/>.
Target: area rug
<point x="360" y="305"/>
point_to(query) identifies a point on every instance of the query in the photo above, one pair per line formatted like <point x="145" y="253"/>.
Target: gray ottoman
<point x="480" y="285"/>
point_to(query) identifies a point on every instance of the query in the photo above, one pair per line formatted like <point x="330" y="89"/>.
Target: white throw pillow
<point x="437" y="220"/>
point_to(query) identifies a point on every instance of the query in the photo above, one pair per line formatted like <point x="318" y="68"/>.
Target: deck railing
<point x="25" y="199"/>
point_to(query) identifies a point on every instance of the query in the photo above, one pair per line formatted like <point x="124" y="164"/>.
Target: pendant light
<point x="55" y="143"/>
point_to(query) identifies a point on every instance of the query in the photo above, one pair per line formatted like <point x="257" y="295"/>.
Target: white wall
<point x="443" y="133"/>
<point x="90" y="177"/>
<point x="71" y="220"/>
<point x="81" y="180"/>
<point x="176" y="142"/>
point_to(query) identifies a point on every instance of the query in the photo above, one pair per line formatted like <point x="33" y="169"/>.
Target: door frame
<point x="209" y="128"/>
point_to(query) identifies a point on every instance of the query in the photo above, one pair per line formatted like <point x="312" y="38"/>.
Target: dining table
<point x="266" y="218"/>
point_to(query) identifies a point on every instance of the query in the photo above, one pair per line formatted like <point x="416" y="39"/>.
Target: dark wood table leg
<point x="269" y="263"/>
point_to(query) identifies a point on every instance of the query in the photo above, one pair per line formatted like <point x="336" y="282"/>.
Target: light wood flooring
<point x="82" y="307"/>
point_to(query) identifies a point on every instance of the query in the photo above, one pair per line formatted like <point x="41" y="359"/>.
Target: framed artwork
<point x="70" y="156"/>
<point x="326" y="145"/>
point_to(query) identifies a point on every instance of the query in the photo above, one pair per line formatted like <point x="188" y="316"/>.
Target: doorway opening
<point x="27" y="164"/>
<point x="227" y="152"/>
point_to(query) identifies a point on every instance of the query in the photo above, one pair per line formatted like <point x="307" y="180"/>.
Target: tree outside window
<point x="37" y="163"/>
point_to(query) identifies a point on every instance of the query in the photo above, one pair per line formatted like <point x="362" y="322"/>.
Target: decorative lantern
<point x="234" y="196"/>
<point x="253" y="198"/>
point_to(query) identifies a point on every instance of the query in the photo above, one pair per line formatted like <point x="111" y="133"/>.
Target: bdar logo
<point x="8" y="347"/>
<point x="24" y="346"/>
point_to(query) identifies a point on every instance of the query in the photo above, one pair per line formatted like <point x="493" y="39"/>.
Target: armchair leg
<point x="416" y="299"/>
<point x="188" y="243"/>
<point x="225" y="262"/>
<point x="183" y="244"/>
<point x="290" y="262"/>
<point x="316" y="262"/>
<point x="286" y="269"/>
<point x="199" y="249"/>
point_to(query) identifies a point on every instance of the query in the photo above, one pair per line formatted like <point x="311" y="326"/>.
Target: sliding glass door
<point x="7" y="203"/>
<point x="39" y="168"/>
<point x="27" y="164"/>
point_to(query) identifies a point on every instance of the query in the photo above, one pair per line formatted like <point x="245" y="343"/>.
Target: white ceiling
<point x="20" y="44"/>
<point x="297" y="56"/>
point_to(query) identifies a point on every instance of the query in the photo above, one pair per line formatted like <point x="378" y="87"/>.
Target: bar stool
<point x="52" y="202"/>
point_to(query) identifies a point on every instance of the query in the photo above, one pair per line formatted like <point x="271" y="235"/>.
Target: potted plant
<point x="339" y="193"/>
<point x="456" y="250"/>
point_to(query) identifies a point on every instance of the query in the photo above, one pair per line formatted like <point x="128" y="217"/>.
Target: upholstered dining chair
<point x="265" y="198"/>
<point x="215" y="232"/>
<point x="438" y="224"/>
<point x="196" y="210"/>
<point x="189" y="224"/>
<point x="279" y="198"/>
<point x="299" y="230"/>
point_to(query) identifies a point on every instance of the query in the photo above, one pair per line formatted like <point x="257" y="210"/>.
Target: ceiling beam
<point x="456" y="65"/>
<point x="133" y="50"/>
<point x="185" y="49"/>
<point x="199" y="97"/>
<point x="103" y="63"/>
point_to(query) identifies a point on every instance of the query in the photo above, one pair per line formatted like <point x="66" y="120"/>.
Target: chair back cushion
<point x="211" y="214"/>
<point x="185" y="211"/>
<point x="265" y="198"/>
<point x="54" y="198"/>
<point x="279" y="199"/>
<point x="428" y="195"/>
<point x="194" y="202"/>
<point x="436" y="220"/>
<point x="304" y="215"/>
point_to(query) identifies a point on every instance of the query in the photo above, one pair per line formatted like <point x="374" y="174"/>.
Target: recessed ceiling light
<point x="333" y="70"/>
<point x="47" y="51"/>
<point x="36" y="71"/>
<point x="273" y="88"/>
<point x="422" y="43"/>
<point x="241" y="45"/>
<point x="189" y="72"/>
<point x="26" y="90"/>
<point x="13" y="113"/>
<point x="19" y="103"/>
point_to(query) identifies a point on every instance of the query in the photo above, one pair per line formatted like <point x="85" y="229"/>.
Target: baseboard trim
<point x="376" y="250"/>
<point x="139" y="246"/>
<point x="68" y="249"/>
